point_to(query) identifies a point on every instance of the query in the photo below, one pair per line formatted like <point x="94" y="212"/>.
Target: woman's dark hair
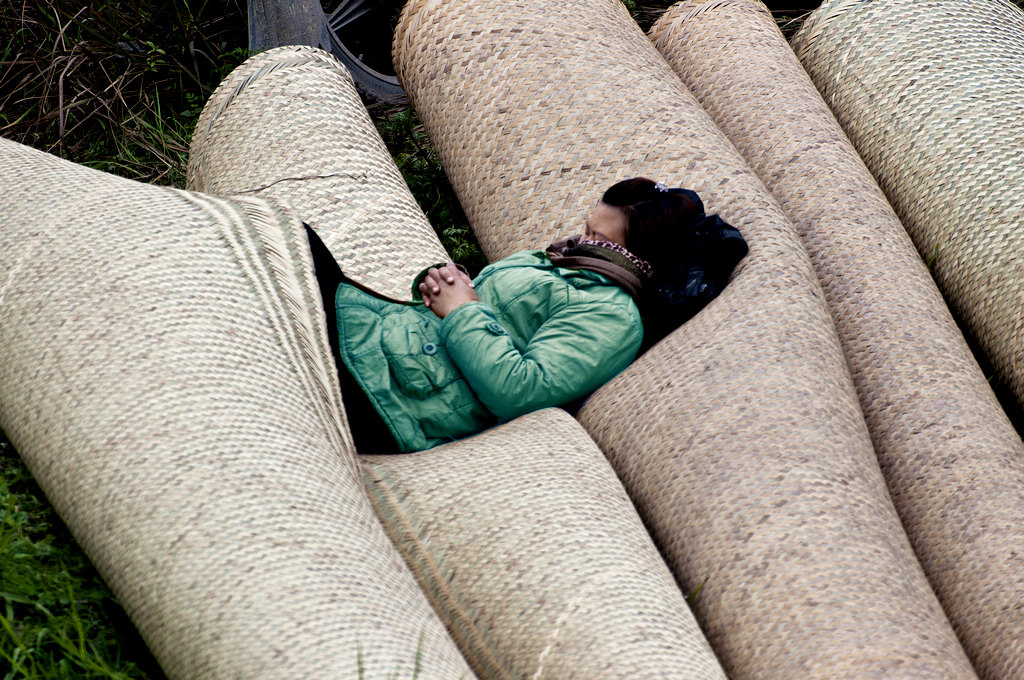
<point x="692" y="254"/>
<point x="655" y="217"/>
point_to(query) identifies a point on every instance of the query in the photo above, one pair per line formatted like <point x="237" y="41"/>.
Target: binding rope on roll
<point x="930" y="94"/>
<point x="952" y="460"/>
<point x="167" y="380"/>
<point x="528" y="547"/>
<point x="739" y="437"/>
<point x="326" y="159"/>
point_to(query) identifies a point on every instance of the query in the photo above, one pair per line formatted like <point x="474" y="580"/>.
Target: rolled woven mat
<point x="739" y="437"/>
<point x="288" y="124"/>
<point x="166" y="378"/>
<point x="930" y="93"/>
<point x="293" y="111"/>
<point x="953" y="462"/>
<point x="527" y="545"/>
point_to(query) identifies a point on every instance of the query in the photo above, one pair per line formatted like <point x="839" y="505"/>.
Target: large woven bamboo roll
<point x="952" y="460"/>
<point x="739" y="437"/>
<point x="529" y="548"/>
<point x="166" y="378"/>
<point x="931" y="95"/>
<point x="288" y="124"/>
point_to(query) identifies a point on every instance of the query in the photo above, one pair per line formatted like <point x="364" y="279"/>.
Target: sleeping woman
<point x="539" y="328"/>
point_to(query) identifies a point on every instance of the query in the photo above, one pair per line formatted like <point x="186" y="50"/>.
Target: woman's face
<point x="607" y="223"/>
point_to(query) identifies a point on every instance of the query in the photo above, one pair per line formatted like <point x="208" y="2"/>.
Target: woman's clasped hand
<point x="445" y="288"/>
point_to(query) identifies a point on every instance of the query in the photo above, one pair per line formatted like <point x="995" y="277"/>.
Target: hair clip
<point x="660" y="186"/>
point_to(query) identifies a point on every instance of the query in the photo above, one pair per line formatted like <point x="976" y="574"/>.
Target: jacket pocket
<point x="419" y="364"/>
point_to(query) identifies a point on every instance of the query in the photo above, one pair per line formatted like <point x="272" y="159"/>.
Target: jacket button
<point x="430" y="349"/>
<point x="495" y="328"/>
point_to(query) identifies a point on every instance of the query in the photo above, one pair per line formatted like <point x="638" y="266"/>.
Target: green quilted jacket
<point x="540" y="336"/>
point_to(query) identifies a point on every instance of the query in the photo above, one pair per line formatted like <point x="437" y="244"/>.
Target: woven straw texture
<point x="165" y="376"/>
<point x="529" y="548"/>
<point x="288" y="124"/>
<point x="952" y="460"/>
<point x="739" y="437"/>
<point x="302" y="106"/>
<point x="931" y="93"/>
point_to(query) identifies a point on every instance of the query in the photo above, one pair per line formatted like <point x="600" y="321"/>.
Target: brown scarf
<point x="570" y="253"/>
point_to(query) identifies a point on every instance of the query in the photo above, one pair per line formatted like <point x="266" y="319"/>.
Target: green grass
<point x="114" y="85"/>
<point x="57" y="617"/>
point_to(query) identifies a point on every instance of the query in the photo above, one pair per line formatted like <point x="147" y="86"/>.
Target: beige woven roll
<point x="739" y="437"/>
<point x="952" y="460"/>
<point x="259" y="116"/>
<point x="288" y="124"/>
<point x="526" y="543"/>
<point x="166" y="378"/>
<point x="931" y="95"/>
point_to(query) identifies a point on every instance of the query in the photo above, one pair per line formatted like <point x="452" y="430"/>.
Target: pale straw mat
<point x="739" y="437"/>
<point x="953" y="462"/>
<point x="532" y="597"/>
<point x="526" y="543"/>
<point x="931" y="95"/>
<point x="167" y="381"/>
<point x="289" y="124"/>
